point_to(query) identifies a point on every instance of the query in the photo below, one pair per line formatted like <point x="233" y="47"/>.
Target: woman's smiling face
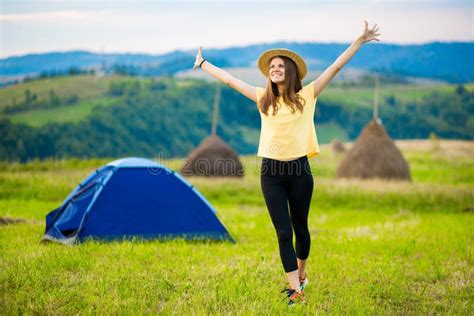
<point x="277" y="70"/>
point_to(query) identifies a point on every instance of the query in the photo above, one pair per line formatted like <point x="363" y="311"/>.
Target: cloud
<point x="46" y="16"/>
<point x="158" y="27"/>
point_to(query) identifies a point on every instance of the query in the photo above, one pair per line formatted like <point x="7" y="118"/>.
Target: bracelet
<point x="202" y="62"/>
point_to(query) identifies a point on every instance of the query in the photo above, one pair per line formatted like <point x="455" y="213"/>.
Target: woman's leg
<point x="300" y="192"/>
<point x="276" y="200"/>
<point x="301" y="268"/>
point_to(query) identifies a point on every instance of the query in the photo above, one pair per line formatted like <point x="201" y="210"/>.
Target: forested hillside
<point x="122" y="116"/>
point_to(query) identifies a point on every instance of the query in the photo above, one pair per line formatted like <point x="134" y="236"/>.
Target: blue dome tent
<point x="133" y="197"/>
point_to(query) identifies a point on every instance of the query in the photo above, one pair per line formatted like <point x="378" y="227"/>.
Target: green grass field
<point x="378" y="247"/>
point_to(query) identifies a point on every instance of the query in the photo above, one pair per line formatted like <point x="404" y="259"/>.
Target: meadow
<point x="378" y="246"/>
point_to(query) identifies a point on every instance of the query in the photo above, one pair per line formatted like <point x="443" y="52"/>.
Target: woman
<point x="287" y="139"/>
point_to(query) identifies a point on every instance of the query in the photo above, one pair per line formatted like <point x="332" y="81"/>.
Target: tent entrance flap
<point x="65" y="222"/>
<point x="72" y="216"/>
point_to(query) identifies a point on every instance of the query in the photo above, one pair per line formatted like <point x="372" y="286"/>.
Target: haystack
<point x="374" y="155"/>
<point x="213" y="157"/>
<point x="337" y="146"/>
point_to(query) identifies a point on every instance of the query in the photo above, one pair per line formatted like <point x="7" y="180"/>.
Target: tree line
<point x="162" y="118"/>
<point x="31" y="101"/>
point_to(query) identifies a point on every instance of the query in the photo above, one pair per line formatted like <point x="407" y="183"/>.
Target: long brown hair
<point x="292" y="87"/>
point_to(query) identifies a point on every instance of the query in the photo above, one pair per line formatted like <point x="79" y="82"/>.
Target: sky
<point x="156" y="27"/>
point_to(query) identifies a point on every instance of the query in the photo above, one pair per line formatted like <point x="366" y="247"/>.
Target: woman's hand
<point x="323" y="80"/>
<point x="199" y="58"/>
<point x="369" y="34"/>
<point x="222" y="75"/>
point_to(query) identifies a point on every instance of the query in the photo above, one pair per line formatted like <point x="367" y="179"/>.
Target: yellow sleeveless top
<point x="288" y="135"/>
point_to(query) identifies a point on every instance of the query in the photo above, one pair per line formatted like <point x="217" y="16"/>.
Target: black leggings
<point x="289" y="183"/>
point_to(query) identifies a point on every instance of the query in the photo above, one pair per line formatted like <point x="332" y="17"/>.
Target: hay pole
<point x="215" y="112"/>
<point x="376" y="100"/>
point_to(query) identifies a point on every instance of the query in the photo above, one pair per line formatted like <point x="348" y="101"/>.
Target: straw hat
<point x="264" y="60"/>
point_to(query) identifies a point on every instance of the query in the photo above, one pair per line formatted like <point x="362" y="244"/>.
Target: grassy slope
<point x="92" y="92"/>
<point x="73" y="114"/>
<point x="377" y="246"/>
<point x="364" y="97"/>
<point x="85" y="86"/>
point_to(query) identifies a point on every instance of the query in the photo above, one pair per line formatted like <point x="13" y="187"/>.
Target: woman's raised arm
<point x="323" y="80"/>
<point x="222" y="75"/>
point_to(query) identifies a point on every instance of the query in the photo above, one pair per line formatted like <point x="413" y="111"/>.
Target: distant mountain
<point x="444" y="61"/>
<point x="56" y="61"/>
